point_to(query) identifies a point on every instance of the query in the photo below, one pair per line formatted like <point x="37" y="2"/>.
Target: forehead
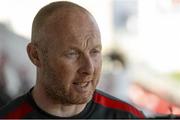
<point x="72" y="28"/>
<point x="81" y="40"/>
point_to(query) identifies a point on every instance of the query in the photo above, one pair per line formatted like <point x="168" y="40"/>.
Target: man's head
<point x="66" y="49"/>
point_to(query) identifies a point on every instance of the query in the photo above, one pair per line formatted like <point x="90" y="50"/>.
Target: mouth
<point x="82" y="84"/>
<point x="82" y="87"/>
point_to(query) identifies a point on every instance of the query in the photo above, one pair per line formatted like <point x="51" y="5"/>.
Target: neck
<point x="57" y="109"/>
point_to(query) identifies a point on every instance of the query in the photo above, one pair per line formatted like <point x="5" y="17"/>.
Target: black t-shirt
<point x="101" y="106"/>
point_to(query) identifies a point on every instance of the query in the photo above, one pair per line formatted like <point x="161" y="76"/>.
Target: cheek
<point x="98" y="66"/>
<point x="66" y="71"/>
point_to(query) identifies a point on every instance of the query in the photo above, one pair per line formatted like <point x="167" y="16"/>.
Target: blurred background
<point x="141" y="53"/>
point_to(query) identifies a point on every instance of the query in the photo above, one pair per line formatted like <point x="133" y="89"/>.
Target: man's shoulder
<point x="112" y="102"/>
<point x="18" y="105"/>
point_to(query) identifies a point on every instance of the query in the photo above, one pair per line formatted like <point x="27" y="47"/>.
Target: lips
<point x="82" y="84"/>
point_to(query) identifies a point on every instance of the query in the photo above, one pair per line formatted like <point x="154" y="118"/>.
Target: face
<point x="72" y="65"/>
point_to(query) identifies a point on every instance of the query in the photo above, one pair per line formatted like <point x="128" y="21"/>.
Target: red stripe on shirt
<point x="20" y="111"/>
<point x="105" y="101"/>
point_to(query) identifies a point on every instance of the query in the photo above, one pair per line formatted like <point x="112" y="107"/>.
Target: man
<point x="66" y="50"/>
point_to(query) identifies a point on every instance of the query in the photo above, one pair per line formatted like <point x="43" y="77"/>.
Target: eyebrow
<point x="98" y="46"/>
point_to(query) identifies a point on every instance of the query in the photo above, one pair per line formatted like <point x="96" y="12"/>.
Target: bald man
<point x="66" y="47"/>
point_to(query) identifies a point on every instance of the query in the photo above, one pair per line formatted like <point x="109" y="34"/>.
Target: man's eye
<point x="72" y="54"/>
<point x="95" y="51"/>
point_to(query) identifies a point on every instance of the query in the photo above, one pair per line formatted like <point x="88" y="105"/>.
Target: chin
<point x="81" y="98"/>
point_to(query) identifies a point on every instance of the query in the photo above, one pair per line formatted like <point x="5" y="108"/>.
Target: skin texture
<point x="66" y="50"/>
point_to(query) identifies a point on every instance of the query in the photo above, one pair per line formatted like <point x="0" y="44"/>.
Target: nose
<point x="86" y="66"/>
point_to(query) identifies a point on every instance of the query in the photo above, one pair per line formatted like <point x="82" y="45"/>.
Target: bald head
<point x="58" y="14"/>
<point x="60" y="23"/>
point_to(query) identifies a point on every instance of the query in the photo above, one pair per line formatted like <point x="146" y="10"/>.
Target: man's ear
<point x="33" y="54"/>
